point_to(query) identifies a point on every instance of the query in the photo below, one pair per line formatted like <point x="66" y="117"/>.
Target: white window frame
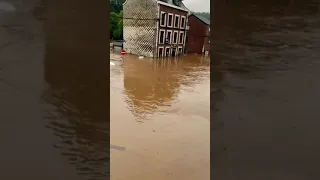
<point x="172" y="20"/>
<point x="181" y="32"/>
<point x="177" y="40"/>
<point x="174" y="25"/>
<point x="182" y="27"/>
<point x="180" y="47"/>
<point x="165" y="19"/>
<point x="170" y="36"/>
<point x="164" y="36"/>
<point x="165" y="52"/>
<point x="160" y="47"/>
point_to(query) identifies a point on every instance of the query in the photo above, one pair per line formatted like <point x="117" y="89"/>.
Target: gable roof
<point x="201" y="18"/>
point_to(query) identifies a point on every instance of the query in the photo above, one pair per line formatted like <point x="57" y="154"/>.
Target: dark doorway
<point x="180" y="51"/>
<point x="167" y="52"/>
<point x="173" y="52"/>
<point x="160" y="52"/>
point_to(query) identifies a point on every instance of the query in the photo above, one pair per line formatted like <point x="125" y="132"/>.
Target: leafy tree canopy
<point x="116" y="5"/>
<point x="116" y="22"/>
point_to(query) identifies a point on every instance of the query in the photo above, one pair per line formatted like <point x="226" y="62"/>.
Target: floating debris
<point x="117" y="147"/>
<point x="115" y="57"/>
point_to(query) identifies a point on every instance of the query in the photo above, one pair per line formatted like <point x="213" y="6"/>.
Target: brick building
<point x="154" y="28"/>
<point x="198" y="40"/>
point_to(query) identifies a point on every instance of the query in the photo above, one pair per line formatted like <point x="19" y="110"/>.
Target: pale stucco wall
<point x="139" y="27"/>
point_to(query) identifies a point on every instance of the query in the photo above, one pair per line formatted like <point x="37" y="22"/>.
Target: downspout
<point x="155" y="54"/>
<point x="185" y="34"/>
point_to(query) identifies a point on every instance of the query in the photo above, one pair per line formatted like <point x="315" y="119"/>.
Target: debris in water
<point x="115" y="57"/>
<point x="117" y="147"/>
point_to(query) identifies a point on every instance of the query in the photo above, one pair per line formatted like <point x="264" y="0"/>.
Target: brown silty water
<point x="265" y="90"/>
<point x="53" y="90"/>
<point x="160" y="118"/>
<point x="54" y="101"/>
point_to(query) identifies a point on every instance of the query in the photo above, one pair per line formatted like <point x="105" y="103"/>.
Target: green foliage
<point x="116" y="21"/>
<point x="116" y="5"/>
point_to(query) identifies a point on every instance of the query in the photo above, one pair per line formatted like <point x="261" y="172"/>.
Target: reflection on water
<point x="54" y="88"/>
<point x="160" y="113"/>
<point x="75" y="68"/>
<point x="153" y="86"/>
<point x="265" y="89"/>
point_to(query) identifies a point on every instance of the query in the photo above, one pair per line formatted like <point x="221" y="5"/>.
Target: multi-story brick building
<point x="198" y="40"/>
<point x="154" y="28"/>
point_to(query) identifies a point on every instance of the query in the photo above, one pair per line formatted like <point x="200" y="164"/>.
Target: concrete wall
<point x="139" y="27"/>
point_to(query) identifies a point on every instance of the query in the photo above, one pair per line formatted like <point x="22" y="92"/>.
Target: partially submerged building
<point x="154" y="28"/>
<point x="198" y="40"/>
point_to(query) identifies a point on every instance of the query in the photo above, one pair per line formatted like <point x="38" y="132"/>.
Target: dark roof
<point x="177" y="3"/>
<point x="201" y="18"/>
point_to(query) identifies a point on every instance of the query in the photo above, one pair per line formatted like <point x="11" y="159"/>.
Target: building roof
<point x="177" y="3"/>
<point x="201" y="18"/>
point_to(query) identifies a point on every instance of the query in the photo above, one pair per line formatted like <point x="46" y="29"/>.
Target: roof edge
<point x="169" y="5"/>
<point x="128" y="0"/>
<point x="192" y="14"/>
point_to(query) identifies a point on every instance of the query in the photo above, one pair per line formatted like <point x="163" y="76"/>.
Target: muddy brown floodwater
<point x="265" y="90"/>
<point x="53" y="90"/>
<point x="160" y="115"/>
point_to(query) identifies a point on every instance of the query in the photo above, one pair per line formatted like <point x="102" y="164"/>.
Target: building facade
<point x="154" y="28"/>
<point x="198" y="40"/>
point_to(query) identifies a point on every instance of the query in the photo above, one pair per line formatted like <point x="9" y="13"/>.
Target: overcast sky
<point x="198" y="5"/>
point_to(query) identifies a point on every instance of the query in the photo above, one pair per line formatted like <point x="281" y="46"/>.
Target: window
<point x="160" y="52"/>
<point x="180" y="50"/>
<point x="209" y="41"/>
<point x="209" y="29"/>
<point x="183" y="22"/>
<point x="161" y="36"/>
<point x="176" y="21"/>
<point x="169" y="36"/>
<point x="167" y="52"/>
<point x="163" y="19"/>
<point x="170" y="20"/>
<point x="181" y="37"/>
<point x="175" y="37"/>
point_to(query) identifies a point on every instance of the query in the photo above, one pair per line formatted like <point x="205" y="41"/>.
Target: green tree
<point x="120" y="25"/>
<point x="116" y="21"/>
<point x="116" y="26"/>
<point x="116" y="5"/>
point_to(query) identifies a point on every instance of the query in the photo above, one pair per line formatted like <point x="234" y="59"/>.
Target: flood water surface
<point x="160" y="118"/>
<point x="54" y="87"/>
<point x="265" y="90"/>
